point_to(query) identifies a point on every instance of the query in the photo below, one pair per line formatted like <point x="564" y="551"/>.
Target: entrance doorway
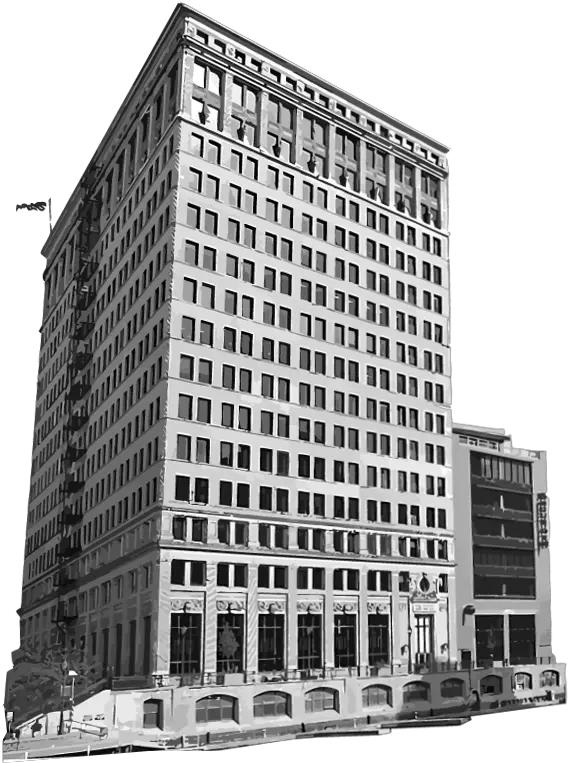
<point x="423" y="629"/>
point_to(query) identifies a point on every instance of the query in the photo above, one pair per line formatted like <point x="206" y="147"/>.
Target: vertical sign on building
<point x="542" y="520"/>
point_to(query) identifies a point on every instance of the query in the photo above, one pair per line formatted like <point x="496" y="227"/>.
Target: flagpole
<point x="49" y="207"/>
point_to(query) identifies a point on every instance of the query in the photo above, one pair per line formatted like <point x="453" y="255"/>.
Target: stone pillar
<point x="417" y="196"/>
<point x="160" y="634"/>
<point x="396" y="638"/>
<point x="330" y="153"/>
<point x="328" y="621"/>
<point x="187" y="81"/>
<point x="226" y="102"/>
<point x="363" y="623"/>
<point x="253" y="536"/>
<point x="298" y="137"/>
<point x="251" y="662"/>
<point x="443" y="204"/>
<point x="362" y="165"/>
<point x="210" y="617"/>
<point x="263" y="123"/>
<point x="390" y="180"/>
<point x="291" y="662"/>
<point x="506" y="650"/>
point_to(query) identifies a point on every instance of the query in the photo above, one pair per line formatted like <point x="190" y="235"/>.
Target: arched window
<point x="416" y="691"/>
<point x="320" y="700"/>
<point x="523" y="681"/>
<point x="271" y="704"/>
<point x="491" y="685"/>
<point x="217" y="707"/>
<point x="152" y="711"/>
<point x="452" y="687"/>
<point x="376" y="695"/>
<point x="550" y="678"/>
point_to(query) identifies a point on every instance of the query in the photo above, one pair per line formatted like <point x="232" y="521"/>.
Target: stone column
<point x="443" y="204"/>
<point x="160" y="635"/>
<point x="506" y="650"/>
<point x="187" y="81"/>
<point x="251" y="662"/>
<point x="328" y="621"/>
<point x="263" y="122"/>
<point x="362" y="165"/>
<point x="210" y="618"/>
<point x="297" y="147"/>
<point x="226" y="102"/>
<point x="396" y="637"/>
<point x="363" y="622"/>
<point x="390" y="168"/>
<point x="417" y="196"/>
<point x="291" y="662"/>
<point x="330" y="153"/>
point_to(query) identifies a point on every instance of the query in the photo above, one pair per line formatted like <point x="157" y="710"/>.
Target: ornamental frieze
<point x="310" y="606"/>
<point x="188" y="605"/>
<point x="230" y="606"/>
<point x="348" y="606"/>
<point x="271" y="607"/>
<point x="378" y="607"/>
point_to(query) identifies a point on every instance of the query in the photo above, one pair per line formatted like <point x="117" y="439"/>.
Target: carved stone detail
<point x="231" y="51"/>
<point x="230" y="606"/>
<point x="310" y="606"/>
<point x="272" y="607"/>
<point x="190" y="605"/>
<point x="348" y="606"/>
<point x="377" y="607"/>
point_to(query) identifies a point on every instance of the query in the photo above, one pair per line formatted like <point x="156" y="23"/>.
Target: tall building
<point x="502" y="542"/>
<point x="242" y="450"/>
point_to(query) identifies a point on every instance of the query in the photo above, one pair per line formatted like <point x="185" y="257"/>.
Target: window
<point x="375" y="696"/>
<point x="215" y="708"/>
<point x="185" y="643"/>
<point x="321" y="700"/>
<point x="416" y="691"/>
<point x="271" y="704"/>
<point x="452" y="687"/>
<point x="152" y="714"/>
<point x="491" y="685"/>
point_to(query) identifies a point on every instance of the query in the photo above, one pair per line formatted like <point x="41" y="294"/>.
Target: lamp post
<point x="73" y="675"/>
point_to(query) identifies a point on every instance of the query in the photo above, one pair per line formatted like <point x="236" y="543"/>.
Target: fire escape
<point x="77" y="411"/>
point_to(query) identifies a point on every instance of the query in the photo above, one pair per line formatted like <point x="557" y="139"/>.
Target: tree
<point x="34" y="684"/>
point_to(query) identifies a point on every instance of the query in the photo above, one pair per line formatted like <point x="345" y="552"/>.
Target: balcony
<point x="80" y="360"/>
<point x="85" y="300"/>
<point x="78" y="391"/>
<point x="77" y="421"/>
<point x="494" y="570"/>
<point x="71" y="516"/>
<point x="498" y="541"/>
<point x="72" y="486"/>
<point x="73" y="454"/>
<point x="499" y="512"/>
<point x="82" y="330"/>
<point x="69" y="548"/>
<point x="66" y="582"/>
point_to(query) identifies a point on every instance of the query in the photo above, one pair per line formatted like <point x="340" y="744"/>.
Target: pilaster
<point x="328" y="622"/>
<point x="226" y="102"/>
<point x="298" y="137"/>
<point x="251" y="662"/>
<point x="160" y="632"/>
<point x="330" y="153"/>
<point x="417" y="195"/>
<point x="210" y="639"/>
<point x="362" y="630"/>
<point x="292" y="624"/>
<point x="390" y="168"/>
<point x="187" y="81"/>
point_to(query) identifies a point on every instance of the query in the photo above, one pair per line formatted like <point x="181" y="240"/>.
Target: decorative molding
<point x="347" y="606"/>
<point x="402" y="606"/>
<point x="230" y="606"/>
<point x="377" y="607"/>
<point x="312" y="607"/>
<point x="271" y="607"/>
<point x="190" y="605"/>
